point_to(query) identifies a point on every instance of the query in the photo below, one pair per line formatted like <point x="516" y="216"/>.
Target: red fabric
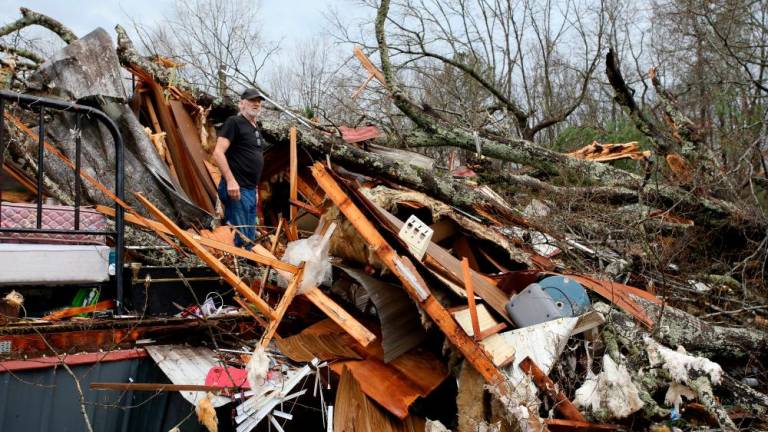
<point x="220" y="377"/>
<point x="352" y="135"/>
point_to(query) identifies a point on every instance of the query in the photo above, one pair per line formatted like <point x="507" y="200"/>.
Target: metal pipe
<point x="150" y="280"/>
<point x="78" y="151"/>
<point x="40" y="165"/>
<point x="2" y="154"/>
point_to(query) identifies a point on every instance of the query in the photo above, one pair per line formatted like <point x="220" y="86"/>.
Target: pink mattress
<point x="22" y="215"/>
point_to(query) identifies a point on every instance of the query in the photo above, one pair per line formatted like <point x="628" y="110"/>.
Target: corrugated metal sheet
<point x="400" y="322"/>
<point x="187" y="365"/>
<point x="46" y="400"/>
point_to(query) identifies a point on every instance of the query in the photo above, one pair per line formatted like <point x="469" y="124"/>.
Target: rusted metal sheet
<point x="355" y="412"/>
<point x="70" y="360"/>
<point x="355" y="135"/>
<point x="391" y="389"/>
<point x="618" y="294"/>
<point x="395" y="385"/>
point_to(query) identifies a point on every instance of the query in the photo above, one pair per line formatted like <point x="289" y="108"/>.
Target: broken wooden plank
<point x="209" y="259"/>
<point x="331" y="309"/>
<point x="255" y="255"/>
<point x="308" y="192"/>
<point x="462" y="248"/>
<point x="20" y="177"/>
<point x="340" y="316"/>
<point x="616" y="293"/>
<point x="470" y="298"/>
<point x="187" y="171"/>
<point x="561" y="425"/>
<point x="368" y="65"/>
<point x="441" y="261"/>
<point x="282" y="306"/>
<point x="310" y="209"/>
<point x="414" y="284"/>
<point x="385" y="385"/>
<point x="562" y="404"/>
<point x="355" y="412"/>
<point x="70" y="312"/>
<point x="291" y="231"/>
<point x="272" y="248"/>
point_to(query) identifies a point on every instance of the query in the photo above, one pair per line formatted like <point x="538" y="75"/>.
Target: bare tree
<point x="217" y="41"/>
<point x="533" y="61"/>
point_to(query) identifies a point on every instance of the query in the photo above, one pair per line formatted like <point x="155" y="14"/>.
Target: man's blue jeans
<point x="240" y="213"/>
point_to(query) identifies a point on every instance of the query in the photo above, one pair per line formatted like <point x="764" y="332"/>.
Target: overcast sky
<point x="287" y="20"/>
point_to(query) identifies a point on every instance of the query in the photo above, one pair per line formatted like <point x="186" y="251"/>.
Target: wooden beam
<point x="368" y="65"/>
<point x="255" y="256"/>
<point x="21" y="178"/>
<point x="448" y="266"/>
<point x="470" y="298"/>
<point x="272" y="253"/>
<point x="340" y="316"/>
<point x="70" y="312"/>
<point x="310" y="209"/>
<point x="288" y="296"/>
<point x="253" y="315"/>
<point x="332" y="310"/>
<point x="309" y="192"/>
<point x="292" y="232"/>
<point x="414" y="284"/>
<point x="490" y="331"/>
<point x="362" y="86"/>
<point x="558" y="425"/>
<point x="148" y="104"/>
<point x="160" y="387"/>
<point x="209" y="259"/>
<point x="542" y="381"/>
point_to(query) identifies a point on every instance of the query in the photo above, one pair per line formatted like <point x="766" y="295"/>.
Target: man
<point x="238" y="154"/>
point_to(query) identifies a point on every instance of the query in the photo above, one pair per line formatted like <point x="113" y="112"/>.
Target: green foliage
<point x="308" y="112"/>
<point x="622" y="131"/>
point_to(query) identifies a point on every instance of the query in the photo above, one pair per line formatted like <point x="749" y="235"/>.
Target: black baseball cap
<point x="251" y="94"/>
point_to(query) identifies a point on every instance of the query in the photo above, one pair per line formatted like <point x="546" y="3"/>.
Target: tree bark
<point x="30" y="17"/>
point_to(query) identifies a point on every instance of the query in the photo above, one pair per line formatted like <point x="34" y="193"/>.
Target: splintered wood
<point x="209" y="259"/>
<point x="415" y="286"/>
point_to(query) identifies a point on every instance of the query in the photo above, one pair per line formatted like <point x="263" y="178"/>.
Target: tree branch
<point x="29" y="17"/>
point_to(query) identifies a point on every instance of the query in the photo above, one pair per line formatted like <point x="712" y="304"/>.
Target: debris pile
<point x="378" y="295"/>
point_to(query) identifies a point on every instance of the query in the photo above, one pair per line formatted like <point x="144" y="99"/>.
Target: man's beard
<point x="251" y="112"/>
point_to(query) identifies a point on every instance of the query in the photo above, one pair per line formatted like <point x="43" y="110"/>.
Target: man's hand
<point x="233" y="190"/>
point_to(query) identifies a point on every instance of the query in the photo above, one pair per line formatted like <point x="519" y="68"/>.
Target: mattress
<point x="22" y="215"/>
<point x="50" y="264"/>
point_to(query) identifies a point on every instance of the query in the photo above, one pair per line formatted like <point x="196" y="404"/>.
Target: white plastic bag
<point x="314" y="252"/>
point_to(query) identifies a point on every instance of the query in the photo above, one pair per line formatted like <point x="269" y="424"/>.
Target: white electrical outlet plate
<point x="417" y="235"/>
